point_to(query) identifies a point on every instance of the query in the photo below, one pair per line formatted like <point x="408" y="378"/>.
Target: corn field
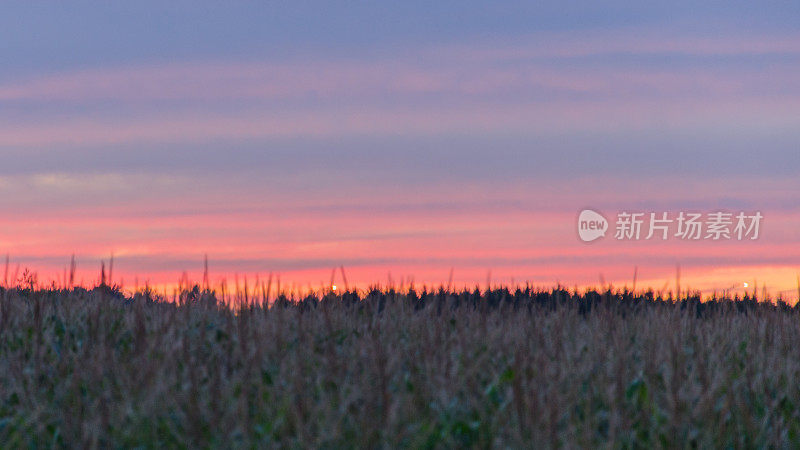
<point x="383" y="369"/>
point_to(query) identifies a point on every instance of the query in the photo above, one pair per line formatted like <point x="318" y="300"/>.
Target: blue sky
<point x="44" y="36"/>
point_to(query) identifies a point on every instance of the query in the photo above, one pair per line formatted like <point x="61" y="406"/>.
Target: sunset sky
<point x="397" y="137"/>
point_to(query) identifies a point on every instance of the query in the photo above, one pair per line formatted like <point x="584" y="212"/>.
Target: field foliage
<point x="383" y="369"/>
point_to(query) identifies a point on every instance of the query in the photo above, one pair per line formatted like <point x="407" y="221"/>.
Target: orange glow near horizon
<point x="776" y="282"/>
<point x="396" y="249"/>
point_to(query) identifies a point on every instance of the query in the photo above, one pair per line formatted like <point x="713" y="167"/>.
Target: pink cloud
<point x="631" y="115"/>
<point x="476" y="87"/>
<point x="438" y="91"/>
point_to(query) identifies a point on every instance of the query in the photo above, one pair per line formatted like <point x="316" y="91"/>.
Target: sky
<point x="400" y="141"/>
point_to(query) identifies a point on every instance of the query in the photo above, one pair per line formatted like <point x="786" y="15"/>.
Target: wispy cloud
<point x="474" y="155"/>
<point x="479" y="67"/>
<point x="556" y="83"/>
